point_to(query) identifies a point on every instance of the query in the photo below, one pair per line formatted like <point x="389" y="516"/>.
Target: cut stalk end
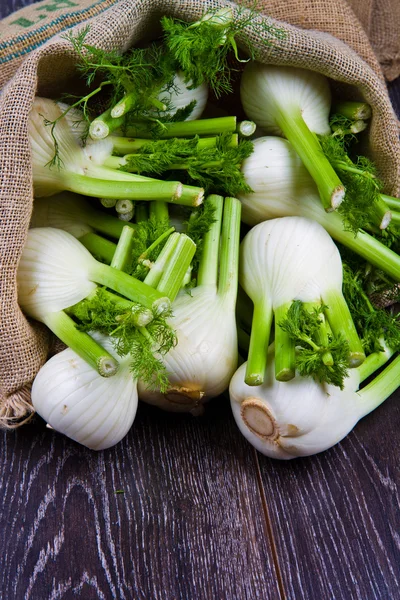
<point x="143" y="318"/>
<point x="337" y="197"/>
<point x="246" y="128"/>
<point x="356" y="359"/>
<point x="254" y="379"/>
<point x="107" y="366"/>
<point x="386" y="219"/>
<point x="285" y="374"/>
<point x="98" y="130"/>
<point x="162" y="306"/>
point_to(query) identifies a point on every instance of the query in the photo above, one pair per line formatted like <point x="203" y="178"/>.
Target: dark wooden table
<point x="185" y="509"/>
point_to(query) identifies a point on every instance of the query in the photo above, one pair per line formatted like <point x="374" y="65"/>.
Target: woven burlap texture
<point x="48" y="70"/>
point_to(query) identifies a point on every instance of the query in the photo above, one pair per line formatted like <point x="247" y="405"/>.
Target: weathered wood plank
<point x="335" y="516"/>
<point x="189" y="523"/>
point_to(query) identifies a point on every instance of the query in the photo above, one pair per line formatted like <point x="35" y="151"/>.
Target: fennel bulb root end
<point x="258" y="419"/>
<point x="185" y="397"/>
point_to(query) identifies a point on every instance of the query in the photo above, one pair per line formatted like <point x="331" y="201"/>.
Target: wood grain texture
<point x="188" y="525"/>
<point x="336" y="516"/>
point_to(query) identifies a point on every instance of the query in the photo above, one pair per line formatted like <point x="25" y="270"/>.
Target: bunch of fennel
<point x="301" y="417"/>
<point x="279" y="266"/>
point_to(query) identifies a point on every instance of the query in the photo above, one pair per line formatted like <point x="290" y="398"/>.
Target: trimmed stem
<point x="285" y="352"/>
<point x="126" y="217"/>
<point x="123" y="106"/>
<point x="172" y="278"/>
<point x="108" y="202"/>
<point x="167" y="191"/>
<point x="154" y="275"/>
<point x="353" y="110"/>
<point x="307" y="146"/>
<point x="259" y="340"/>
<point x="86" y="347"/>
<point x="123" y="145"/>
<point x="99" y="246"/>
<point x="185" y="128"/>
<point x="229" y="254"/>
<point x="123" y="252"/>
<point x="124" y="207"/>
<point x="131" y="288"/>
<point x="374" y="361"/>
<point x="384" y="384"/>
<point x="103" y="125"/>
<point x="246" y="128"/>
<point x="208" y="268"/>
<point x="156" y="243"/>
<point x="159" y="211"/>
<point x="341" y="323"/>
<point x="363" y="244"/>
<point x="395" y="221"/>
<point x="391" y="202"/>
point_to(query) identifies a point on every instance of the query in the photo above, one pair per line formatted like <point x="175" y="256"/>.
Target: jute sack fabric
<point x="49" y="70"/>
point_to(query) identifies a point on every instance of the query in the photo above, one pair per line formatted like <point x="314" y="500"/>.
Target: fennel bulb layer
<point x="201" y="364"/>
<point x="75" y="400"/>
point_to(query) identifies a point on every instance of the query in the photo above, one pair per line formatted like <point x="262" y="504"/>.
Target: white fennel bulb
<point x="201" y="364"/>
<point x="75" y="400"/>
<point x="56" y="271"/>
<point x="267" y="88"/>
<point x="279" y="265"/>
<point x="74" y="214"/>
<point x="179" y="94"/>
<point x="301" y="417"/>
<point x="295" y="103"/>
<point x="281" y="188"/>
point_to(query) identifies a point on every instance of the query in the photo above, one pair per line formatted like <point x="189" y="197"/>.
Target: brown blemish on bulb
<point x="292" y="430"/>
<point x="259" y="419"/>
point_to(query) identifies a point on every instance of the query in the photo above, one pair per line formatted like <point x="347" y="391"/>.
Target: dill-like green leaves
<point x="144" y="345"/>
<point x="372" y="323"/>
<point x="202" y="49"/>
<point x="362" y="186"/>
<point x="146" y="234"/>
<point x="303" y="328"/>
<point x="216" y="169"/>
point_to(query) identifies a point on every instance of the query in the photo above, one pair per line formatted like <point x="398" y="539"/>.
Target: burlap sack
<point x="47" y="69"/>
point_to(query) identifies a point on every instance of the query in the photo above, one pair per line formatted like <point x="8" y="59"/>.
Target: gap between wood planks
<point x="268" y="528"/>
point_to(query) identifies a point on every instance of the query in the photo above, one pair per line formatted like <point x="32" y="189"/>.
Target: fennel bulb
<point x="278" y="265"/>
<point x="301" y="417"/>
<point x="296" y="103"/>
<point x="76" y="401"/>
<point x="282" y="187"/>
<point x="56" y="271"/>
<point x="74" y="214"/>
<point x="55" y="145"/>
<point x="179" y="94"/>
<point x="202" y="362"/>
